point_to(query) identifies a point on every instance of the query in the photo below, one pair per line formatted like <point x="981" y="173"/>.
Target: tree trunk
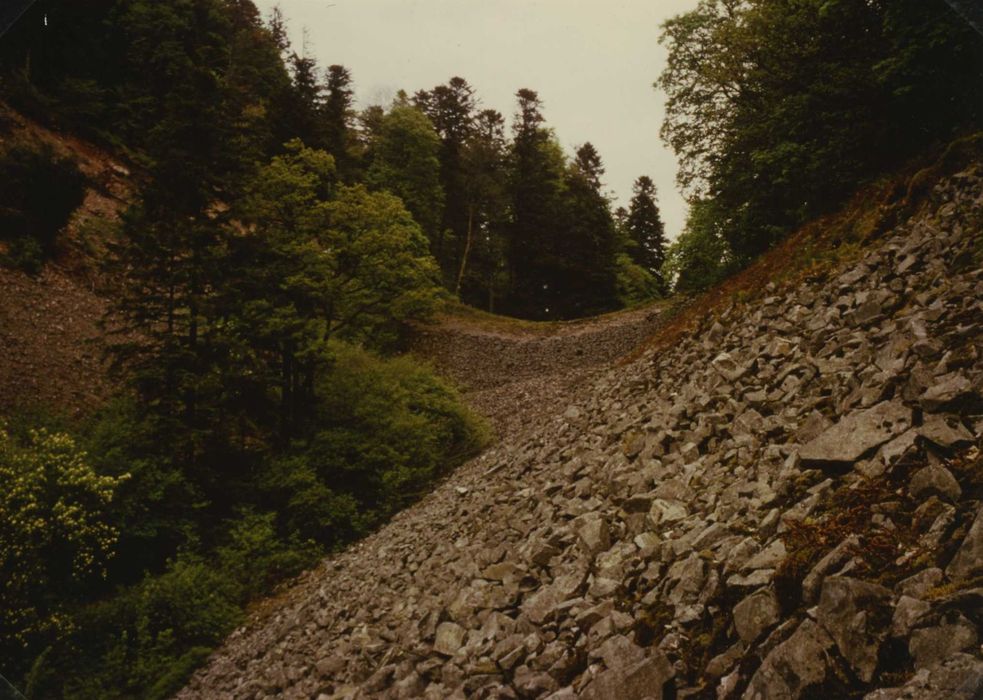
<point x="467" y="251"/>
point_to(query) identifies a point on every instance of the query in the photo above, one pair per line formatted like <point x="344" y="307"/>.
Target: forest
<point x="284" y="238"/>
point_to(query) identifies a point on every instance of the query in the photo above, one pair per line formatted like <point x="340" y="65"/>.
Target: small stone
<point x="722" y="663"/>
<point x="619" y="652"/>
<point x="755" y="579"/>
<point x="645" y="680"/>
<point x="948" y="391"/>
<point x="594" y="536"/>
<point x="450" y="638"/>
<point x="943" y="433"/>
<point x="921" y="583"/>
<point x="768" y="558"/>
<point x="906" y="614"/>
<point x="666" y="511"/>
<point x="727" y="367"/>
<point x="835" y="559"/>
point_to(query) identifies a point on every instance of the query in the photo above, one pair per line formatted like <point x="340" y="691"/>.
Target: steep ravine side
<point x="785" y="503"/>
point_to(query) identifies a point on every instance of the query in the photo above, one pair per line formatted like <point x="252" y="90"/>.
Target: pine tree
<point x="337" y="114"/>
<point x="645" y="229"/>
<point x="482" y="265"/>
<point x="451" y="109"/>
<point x="586" y="252"/>
<point x="536" y="183"/>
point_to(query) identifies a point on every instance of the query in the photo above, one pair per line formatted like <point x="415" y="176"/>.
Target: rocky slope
<point x="510" y="372"/>
<point x="783" y="503"/>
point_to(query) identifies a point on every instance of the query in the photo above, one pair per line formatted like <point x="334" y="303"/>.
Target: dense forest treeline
<point x="282" y="238"/>
<point x="779" y="109"/>
<point x="514" y="224"/>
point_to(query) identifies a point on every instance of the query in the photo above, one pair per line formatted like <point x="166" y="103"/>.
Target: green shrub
<point x="635" y="284"/>
<point x="255" y="557"/>
<point x="55" y="537"/>
<point x="145" y="641"/>
<point x="700" y="257"/>
<point x="40" y="191"/>
<point x="385" y="430"/>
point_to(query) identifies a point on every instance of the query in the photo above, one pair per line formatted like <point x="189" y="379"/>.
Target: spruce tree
<point x="645" y="229"/>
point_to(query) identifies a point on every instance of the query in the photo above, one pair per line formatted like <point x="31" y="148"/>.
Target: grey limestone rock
<point x="855" y="613"/>
<point x="968" y="561"/>
<point x="643" y="680"/>
<point x="929" y="645"/>
<point x="959" y="677"/>
<point x="796" y="664"/>
<point x="857" y="434"/>
<point x="450" y="638"/>
<point x="755" y="614"/>
<point x="934" y="480"/>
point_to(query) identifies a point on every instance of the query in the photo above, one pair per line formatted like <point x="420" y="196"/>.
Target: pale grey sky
<point x="593" y="64"/>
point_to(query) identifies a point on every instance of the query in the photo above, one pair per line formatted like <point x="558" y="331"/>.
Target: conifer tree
<point x="337" y="115"/>
<point x="645" y="229"/>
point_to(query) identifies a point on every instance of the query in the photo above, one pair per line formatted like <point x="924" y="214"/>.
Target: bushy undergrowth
<point x="182" y="562"/>
<point x="39" y="193"/>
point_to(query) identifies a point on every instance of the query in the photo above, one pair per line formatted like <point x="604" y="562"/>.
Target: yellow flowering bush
<point x="54" y="534"/>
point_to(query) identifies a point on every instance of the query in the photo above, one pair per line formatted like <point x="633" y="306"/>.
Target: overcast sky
<point x="593" y="64"/>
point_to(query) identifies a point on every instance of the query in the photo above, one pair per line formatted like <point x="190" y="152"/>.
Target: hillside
<point x="782" y="502"/>
<point x="50" y="335"/>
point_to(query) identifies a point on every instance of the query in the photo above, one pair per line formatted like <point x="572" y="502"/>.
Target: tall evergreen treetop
<point x="645" y="228"/>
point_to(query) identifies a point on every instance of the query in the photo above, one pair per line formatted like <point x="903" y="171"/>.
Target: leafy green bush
<point x="385" y="429"/>
<point x="145" y="641"/>
<point x="635" y="283"/>
<point x="40" y="191"/>
<point x="257" y="558"/>
<point x="700" y="257"/>
<point x="55" y="537"/>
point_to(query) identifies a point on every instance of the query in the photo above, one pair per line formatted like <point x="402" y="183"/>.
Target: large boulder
<point x="645" y="680"/>
<point x="755" y="614"/>
<point x="856" y="614"/>
<point x="798" y="663"/>
<point x="959" y="677"/>
<point x="857" y="434"/>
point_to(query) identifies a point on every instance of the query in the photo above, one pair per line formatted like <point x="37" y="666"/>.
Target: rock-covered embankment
<point x="785" y="504"/>
<point x="511" y="374"/>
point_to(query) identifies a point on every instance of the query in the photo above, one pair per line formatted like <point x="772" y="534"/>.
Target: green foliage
<point x="700" y="257"/>
<point x="645" y="230"/>
<point x="635" y="284"/>
<point x="55" y="539"/>
<point x="256" y="557"/>
<point x="386" y="429"/>
<point x="156" y="508"/>
<point x="142" y="642"/>
<point x="40" y="192"/>
<point x="776" y="131"/>
<point x="405" y="162"/>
